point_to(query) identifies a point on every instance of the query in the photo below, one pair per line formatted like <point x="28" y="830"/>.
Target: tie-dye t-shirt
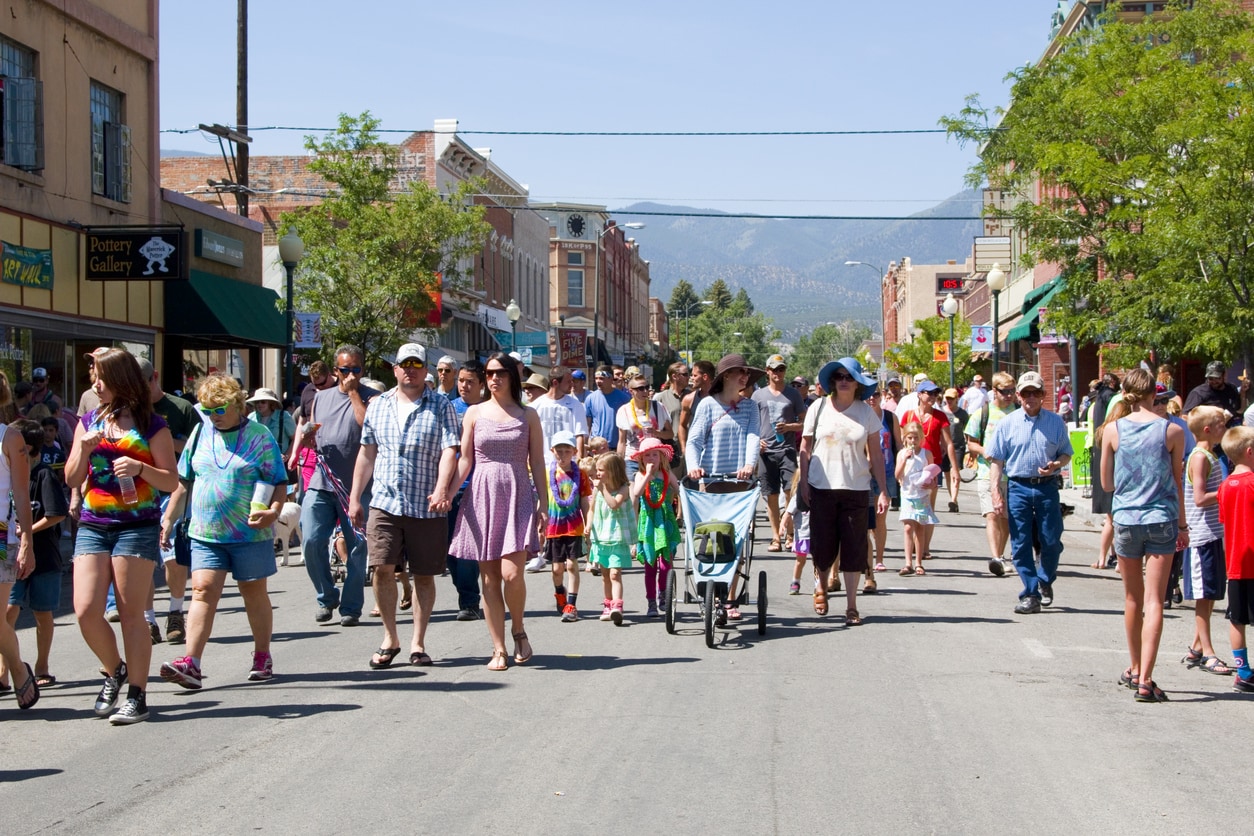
<point x="566" y="492"/>
<point x="102" y="502"/>
<point x="225" y="468"/>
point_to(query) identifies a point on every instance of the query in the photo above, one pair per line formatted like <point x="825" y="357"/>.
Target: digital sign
<point x="954" y="283"/>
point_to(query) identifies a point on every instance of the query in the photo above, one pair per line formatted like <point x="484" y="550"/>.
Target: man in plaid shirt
<point x="408" y="444"/>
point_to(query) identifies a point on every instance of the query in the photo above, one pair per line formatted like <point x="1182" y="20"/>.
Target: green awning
<point x="1039" y="297"/>
<point x="224" y="310"/>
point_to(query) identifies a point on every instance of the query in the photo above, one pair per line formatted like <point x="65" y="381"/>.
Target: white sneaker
<point x="537" y="564"/>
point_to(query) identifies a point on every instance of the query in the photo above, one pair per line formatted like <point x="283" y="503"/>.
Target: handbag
<point x="182" y="535"/>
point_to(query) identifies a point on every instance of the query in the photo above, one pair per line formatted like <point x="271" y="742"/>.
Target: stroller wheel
<point x="708" y="612"/>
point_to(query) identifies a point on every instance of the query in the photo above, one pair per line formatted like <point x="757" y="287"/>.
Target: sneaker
<point x="113" y="616"/>
<point x="607" y="611"/>
<point x="536" y="564"/>
<point x="997" y="566"/>
<point x="1245" y="685"/>
<point x="1028" y="606"/>
<point x="183" y="672"/>
<point x="323" y="614"/>
<point x="155" y="631"/>
<point x="350" y="621"/>
<point x="560" y="597"/>
<point x="134" y="710"/>
<point x="661" y="605"/>
<point x="175" y="629"/>
<point x="569" y="613"/>
<point x="1177" y="597"/>
<point x="794" y="588"/>
<point x="107" y="700"/>
<point x="263" y="668"/>
<point x="1047" y="594"/>
<point x="616" y="613"/>
<point x="652" y="611"/>
<point x="467" y="614"/>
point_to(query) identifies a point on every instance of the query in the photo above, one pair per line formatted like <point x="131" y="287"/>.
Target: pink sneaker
<point x="607" y="611"/>
<point x="263" y="668"/>
<point x="616" y="612"/>
<point x="183" y="672"/>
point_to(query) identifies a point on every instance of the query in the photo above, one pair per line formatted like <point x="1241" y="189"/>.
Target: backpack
<point x="714" y="541"/>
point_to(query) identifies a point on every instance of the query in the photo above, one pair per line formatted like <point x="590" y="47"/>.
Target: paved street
<point x="943" y="713"/>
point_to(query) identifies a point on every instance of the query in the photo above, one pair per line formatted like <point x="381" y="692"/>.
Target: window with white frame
<point x="574" y="288"/>
<point x="21" y="108"/>
<point x="110" y="145"/>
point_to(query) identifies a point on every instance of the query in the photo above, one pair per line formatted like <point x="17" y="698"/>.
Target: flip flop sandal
<point x="492" y="663"/>
<point x="919" y="570"/>
<point x="406" y="603"/>
<point x="518" y="657"/>
<point x="28" y="694"/>
<point x="386" y="655"/>
<point x="905" y="572"/>
<point x="45" y="680"/>
<point x="5" y="688"/>
<point x="419" y="659"/>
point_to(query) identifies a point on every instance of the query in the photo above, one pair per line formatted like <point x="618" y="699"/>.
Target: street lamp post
<point x="880" y="274"/>
<point x="686" y="312"/>
<point x="291" y="250"/>
<point x="513" y="313"/>
<point x="996" y="281"/>
<point x="949" y="308"/>
<point x="736" y="334"/>
<point x="596" y="283"/>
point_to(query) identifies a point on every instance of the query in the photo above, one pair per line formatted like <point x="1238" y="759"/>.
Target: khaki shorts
<point x="421" y="545"/>
<point x="983" y="489"/>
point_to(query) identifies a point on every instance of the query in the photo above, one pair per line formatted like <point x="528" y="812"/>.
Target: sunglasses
<point x="639" y="388"/>
<point x="411" y="364"/>
<point x="348" y="369"/>
<point x="496" y="372"/>
<point x="1031" y="393"/>
<point x="213" y="410"/>
<point x="443" y="370"/>
<point x="1007" y="392"/>
<point x="839" y="377"/>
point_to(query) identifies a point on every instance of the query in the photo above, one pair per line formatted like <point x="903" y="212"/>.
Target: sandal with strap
<point x="498" y="655"/>
<point x="1213" y="664"/>
<point x="906" y="571"/>
<point x="385" y="656"/>
<point x="1128" y="679"/>
<point x="28" y="694"/>
<point x="518" y="656"/>
<point x="1147" y="691"/>
<point x="820" y="601"/>
<point x="852" y="619"/>
<point x="1192" y="658"/>
<point x="774" y="546"/>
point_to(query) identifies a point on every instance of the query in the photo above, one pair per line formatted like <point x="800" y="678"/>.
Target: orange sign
<point x="940" y="352"/>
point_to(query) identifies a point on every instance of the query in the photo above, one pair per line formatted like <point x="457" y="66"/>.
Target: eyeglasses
<point x="1007" y="392"/>
<point x="443" y="370"/>
<point x="496" y="372"/>
<point x="213" y="410"/>
<point x="411" y="364"/>
<point x="1031" y="393"/>
<point x="348" y="369"/>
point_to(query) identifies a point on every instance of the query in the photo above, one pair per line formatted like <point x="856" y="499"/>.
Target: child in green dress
<point x="657" y="531"/>
<point x="613" y="532"/>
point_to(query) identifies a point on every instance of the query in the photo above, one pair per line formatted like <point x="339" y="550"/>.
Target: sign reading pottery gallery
<point x="135" y="253"/>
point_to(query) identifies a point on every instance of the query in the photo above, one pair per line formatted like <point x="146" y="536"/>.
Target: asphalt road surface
<point x="943" y="713"/>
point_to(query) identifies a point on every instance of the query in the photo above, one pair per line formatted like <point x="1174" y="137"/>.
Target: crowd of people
<point x="485" y="471"/>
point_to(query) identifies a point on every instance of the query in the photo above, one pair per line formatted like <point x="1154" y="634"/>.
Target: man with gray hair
<point x="334" y="430"/>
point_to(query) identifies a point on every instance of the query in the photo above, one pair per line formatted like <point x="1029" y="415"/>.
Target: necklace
<point x="658" y="500"/>
<point x="635" y="416"/>
<point x="564" y="487"/>
<point x="234" y="451"/>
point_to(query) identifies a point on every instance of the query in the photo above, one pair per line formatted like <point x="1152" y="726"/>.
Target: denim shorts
<point x="245" y="561"/>
<point x="44" y="591"/>
<point x="1136" y="541"/>
<point x="124" y="542"/>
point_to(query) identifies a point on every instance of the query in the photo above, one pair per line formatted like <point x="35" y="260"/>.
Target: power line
<point x="880" y="132"/>
<point x="800" y="217"/>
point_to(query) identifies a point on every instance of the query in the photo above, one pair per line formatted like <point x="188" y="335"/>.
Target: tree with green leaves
<point x="916" y="356"/>
<point x="374" y="256"/>
<point x="829" y="341"/>
<point x="719" y="295"/>
<point x="1132" y="153"/>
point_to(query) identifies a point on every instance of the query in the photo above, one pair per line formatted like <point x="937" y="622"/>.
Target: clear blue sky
<point x="680" y="65"/>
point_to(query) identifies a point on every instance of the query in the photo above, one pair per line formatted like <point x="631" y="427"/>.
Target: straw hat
<point x="651" y="444"/>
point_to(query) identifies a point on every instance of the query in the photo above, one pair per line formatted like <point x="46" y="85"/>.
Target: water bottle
<point x="262" y="491"/>
<point x="129" y="495"/>
<point x="779" y="437"/>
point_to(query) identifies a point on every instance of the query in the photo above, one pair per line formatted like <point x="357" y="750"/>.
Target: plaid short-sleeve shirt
<point x="409" y="446"/>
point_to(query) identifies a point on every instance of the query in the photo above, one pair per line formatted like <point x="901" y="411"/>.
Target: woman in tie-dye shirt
<point x="231" y="467"/>
<point x="117" y="538"/>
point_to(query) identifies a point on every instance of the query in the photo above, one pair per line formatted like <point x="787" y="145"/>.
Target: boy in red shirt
<point x="1236" y="512"/>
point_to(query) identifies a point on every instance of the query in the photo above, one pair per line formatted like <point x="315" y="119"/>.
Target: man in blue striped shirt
<point x="1031" y="446"/>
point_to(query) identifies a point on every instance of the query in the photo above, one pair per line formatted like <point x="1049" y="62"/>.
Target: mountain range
<point x="794" y="270"/>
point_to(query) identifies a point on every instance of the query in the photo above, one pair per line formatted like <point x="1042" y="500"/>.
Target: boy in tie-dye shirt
<point x="570" y="492"/>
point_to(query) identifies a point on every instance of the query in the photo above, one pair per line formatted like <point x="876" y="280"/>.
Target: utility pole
<point x="241" y="106"/>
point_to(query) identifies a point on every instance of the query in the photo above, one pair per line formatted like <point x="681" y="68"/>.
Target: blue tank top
<point x="1145" y="491"/>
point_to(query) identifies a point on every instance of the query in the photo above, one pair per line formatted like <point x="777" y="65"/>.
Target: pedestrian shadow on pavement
<point x="399" y="677"/>
<point x="1208" y="696"/>
<point x="212" y="709"/>
<point x="8" y="776"/>
<point x="276" y="638"/>
<point x="557" y="662"/>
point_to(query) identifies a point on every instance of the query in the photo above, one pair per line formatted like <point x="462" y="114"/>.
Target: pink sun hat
<point x="649" y="445"/>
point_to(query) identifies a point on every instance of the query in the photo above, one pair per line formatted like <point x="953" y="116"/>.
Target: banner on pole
<point x="981" y="338"/>
<point x="307" y="330"/>
<point x="572" y="347"/>
<point x="940" y="352"/>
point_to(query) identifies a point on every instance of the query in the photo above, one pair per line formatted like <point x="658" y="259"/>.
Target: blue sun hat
<point x="866" y="385"/>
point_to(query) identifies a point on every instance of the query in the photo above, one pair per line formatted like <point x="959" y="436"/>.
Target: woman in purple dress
<point x="504" y="508"/>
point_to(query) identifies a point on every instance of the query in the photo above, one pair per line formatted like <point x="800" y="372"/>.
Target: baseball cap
<point x="1213" y="369"/>
<point x="411" y="351"/>
<point x="928" y="386"/>
<point x="579" y="374"/>
<point x="1030" y="380"/>
<point x="893" y="377"/>
<point x="775" y="361"/>
<point x="951" y="393"/>
<point x="39" y="374"/>
<point x="95" y="352"/>
<point x="563" y="437"/>
<point x="800" y="381"/>
<point x="1162" y="393"/>
<point x="920" y="377"/>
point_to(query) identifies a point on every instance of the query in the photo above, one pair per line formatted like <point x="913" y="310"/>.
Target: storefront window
<point x="198" y="362"/>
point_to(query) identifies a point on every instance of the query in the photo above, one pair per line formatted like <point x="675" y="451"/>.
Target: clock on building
<point x="575" y="225"/>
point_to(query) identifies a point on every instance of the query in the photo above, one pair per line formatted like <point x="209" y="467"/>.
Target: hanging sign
<point x="307" y="330"/>
<point x="981" y="338"/>
<point x="130" y="253"/>
<point x="26" y="266"/>
<point x="940" y="352"/>
<point x="572" y="347"/>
